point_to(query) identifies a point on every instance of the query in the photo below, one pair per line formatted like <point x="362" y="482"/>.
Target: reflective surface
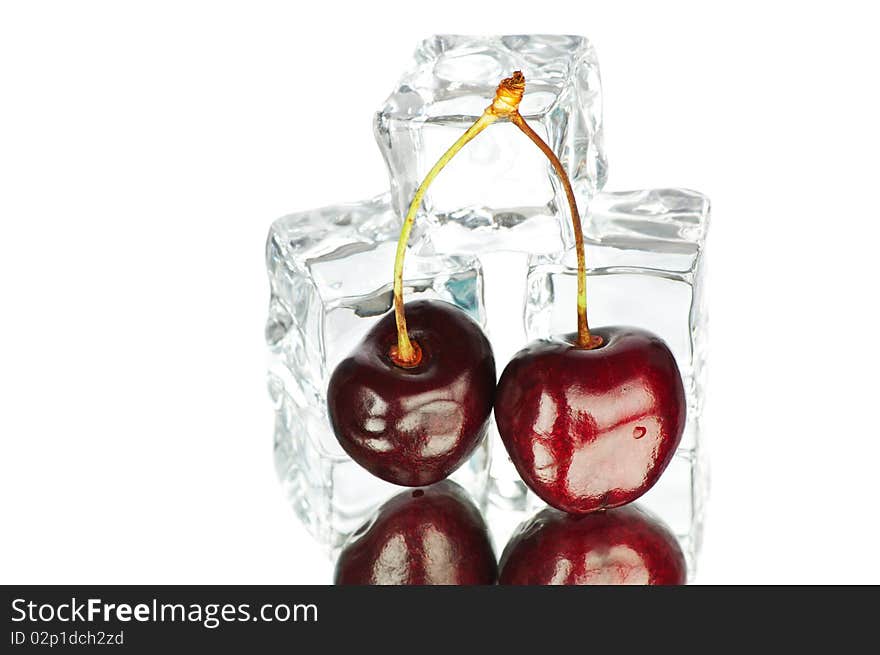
<point x="592" y="429"/>
<point x="431" y="536"/>
<point x="414" y="426"/>
<point x="619" y="546"/>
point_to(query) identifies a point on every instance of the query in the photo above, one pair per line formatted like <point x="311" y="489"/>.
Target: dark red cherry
<point x="415" y="426"/>
<point x="431" y="536"/>
<point x="621" y="546"/>
<point x="589" y="429"/>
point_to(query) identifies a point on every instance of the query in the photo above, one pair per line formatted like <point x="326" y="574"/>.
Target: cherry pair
<point x="436" y="536"/>
<point x="590" y="419"/>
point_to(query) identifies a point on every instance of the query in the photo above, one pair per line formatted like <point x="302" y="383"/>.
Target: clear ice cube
<point x="330" y="272"/>
<point x="499" y="193"/>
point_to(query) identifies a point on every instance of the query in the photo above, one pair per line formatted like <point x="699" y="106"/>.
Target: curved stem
<point x="406" y="354"/>
<point x="584" y="340"/>
<point x="507" y="97"/>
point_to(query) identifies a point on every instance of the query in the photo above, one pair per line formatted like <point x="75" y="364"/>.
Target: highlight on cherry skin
<point x="591" y="428"/>
<point x="429" y="536"/>
<point x="415" y="425"/>
<point x="624" y="546"/>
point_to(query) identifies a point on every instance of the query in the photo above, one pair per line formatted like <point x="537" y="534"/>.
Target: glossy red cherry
<point x="431" y="536"/>
<point x="620" y="546"/>
<point x="414" y="426"/>
<point x="589" y="429"/>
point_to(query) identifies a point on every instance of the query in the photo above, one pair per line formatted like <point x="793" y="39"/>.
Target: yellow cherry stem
<point x="508" y="95"/>
<point x="584" y="338"/>
<point x="407" y="353"/>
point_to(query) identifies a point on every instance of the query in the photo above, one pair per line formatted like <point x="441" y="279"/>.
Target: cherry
<point x="430" y="536"/>
<point x="415" y="425"/>
<point x="589" y="420"/>
<point x="412" y="402"/>
<point x="620" y="546"/>
<point x="591" y="428"/>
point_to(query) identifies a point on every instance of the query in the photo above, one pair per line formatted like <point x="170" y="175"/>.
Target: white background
<point x="145" y="148"/>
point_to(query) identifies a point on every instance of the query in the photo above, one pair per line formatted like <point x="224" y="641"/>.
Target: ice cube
<point x="499" y="193"/>
<point x="645" y="267"/>
<point x="330" y="273"/>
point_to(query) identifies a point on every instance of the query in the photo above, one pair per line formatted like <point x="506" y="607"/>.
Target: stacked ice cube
<point x="498" y="193"/>
<point x="330" y="277"/>
<point x="492" y="237"/>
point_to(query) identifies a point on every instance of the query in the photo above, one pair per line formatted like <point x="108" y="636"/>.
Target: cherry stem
<point x="508" y="95"/>
<point x="584" y="339"/>
<point x="408" y="354"/>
